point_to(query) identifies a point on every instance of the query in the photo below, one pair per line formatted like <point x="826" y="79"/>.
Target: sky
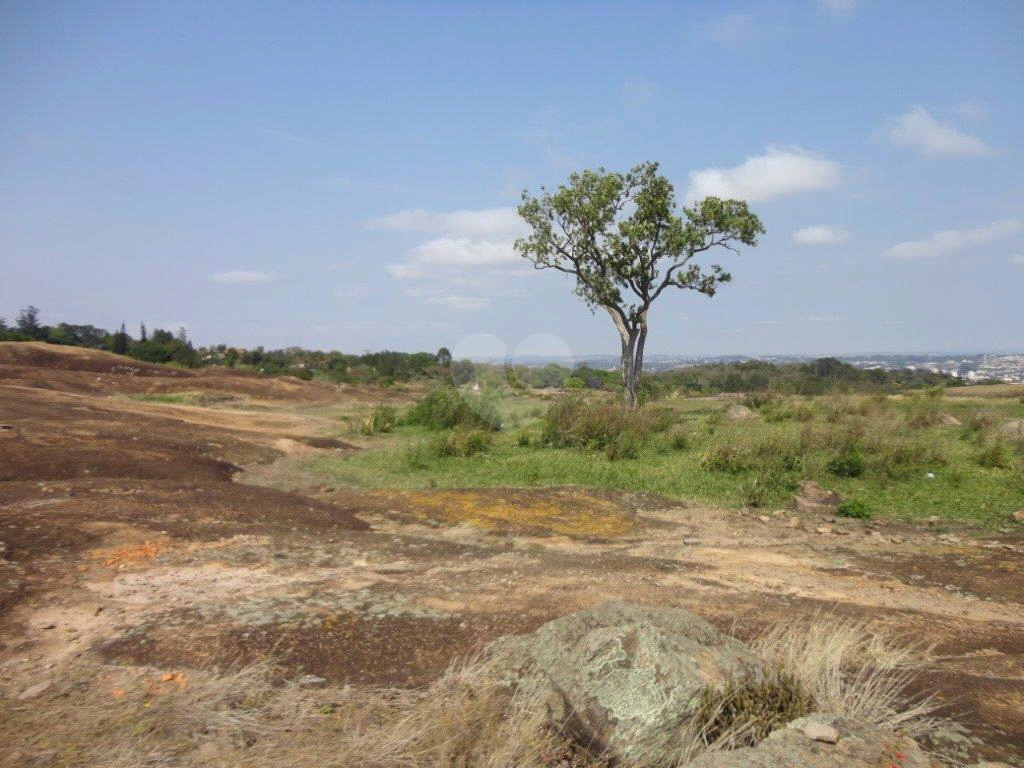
<point x="346" y="175"/>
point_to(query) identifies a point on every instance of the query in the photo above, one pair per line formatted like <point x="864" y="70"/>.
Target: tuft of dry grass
<point x="845" y="668"/>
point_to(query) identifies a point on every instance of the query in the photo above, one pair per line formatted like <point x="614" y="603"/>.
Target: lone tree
<point x="619" y="236"/>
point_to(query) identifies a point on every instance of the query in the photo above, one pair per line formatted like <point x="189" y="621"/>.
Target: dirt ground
<point x="129" y="535"/>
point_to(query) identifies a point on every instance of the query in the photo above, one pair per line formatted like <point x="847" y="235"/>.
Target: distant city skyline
<point x="345" y="175"/>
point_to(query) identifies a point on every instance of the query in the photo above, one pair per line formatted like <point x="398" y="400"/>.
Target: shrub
<point x="925" y="410"/>
<point x="573" y="422"/>
<point x="381" y="418"/>
<point x="850" y="463"/>
<point x="678" y="438"/>
<point x="462" y="442"/>
<point x="574" y="382"/>
<point x="996" y="455"/>
<point x="855" y="508"/>
<point x="523" y="439"/>
<point x="447" y="407"/>
<point x="625" y="445"/>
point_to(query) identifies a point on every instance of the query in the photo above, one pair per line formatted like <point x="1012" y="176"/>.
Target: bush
<point x="850" y="463"/>
<point x="462" y="442"/>
<point x="678" y="438"/>
<point x="573" y="422"/>
<point x="925" y="410"/>
<point x="381" y="418"/>
<point x="626" y="445"/>
<point x="574" y="382"/>
<point x="447" y="407"/>
<point x="997" y="455"/>
<point x="855" y="508"/>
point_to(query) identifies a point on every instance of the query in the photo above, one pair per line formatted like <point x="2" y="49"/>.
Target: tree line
<point x="388" y="367"/>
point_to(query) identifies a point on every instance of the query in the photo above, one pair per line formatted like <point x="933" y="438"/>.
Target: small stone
<point x="691" y="542"/>
<point x="312" y="681"/>
<point x="933" y="520"/>
<point x="820" y="732"/>
<point x="823" y="529"/>
<point x="1018" y="515"/>
<point x="764" y="518"/>
<point x="793" y="522"/>
<point x="35" y="690"/>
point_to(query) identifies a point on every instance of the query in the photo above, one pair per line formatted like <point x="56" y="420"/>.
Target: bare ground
<point x="130" y="543"/>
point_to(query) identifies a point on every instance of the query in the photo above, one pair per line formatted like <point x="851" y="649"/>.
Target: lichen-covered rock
<point x="858" y="746"/>
<point x="623" y="677"/>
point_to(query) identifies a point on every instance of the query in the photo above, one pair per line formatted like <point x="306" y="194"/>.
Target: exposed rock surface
<point x="1013" y="428"/>
<point x="740" y="413"/>
<point x="811" y="498"/>
<point x="857" y="746"/>
<point x="623" y="677"/>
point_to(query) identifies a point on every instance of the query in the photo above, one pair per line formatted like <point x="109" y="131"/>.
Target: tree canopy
<point x="619" y="235"/>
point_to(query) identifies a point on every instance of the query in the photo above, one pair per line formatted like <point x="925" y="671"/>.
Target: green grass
<point x="909" y="466"/>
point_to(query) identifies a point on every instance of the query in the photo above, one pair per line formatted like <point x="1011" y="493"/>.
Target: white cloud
<point x="1018" y="259"/>
<point x="780" y="172"/>
<point x="820" y="235"/>
<point x="458" y="254"/>
<point x="241" y="277"/>
<point x="441" y="298"/>
<point x="490" y="223"/>
<point x="918" y="130"/>
<point x="731" y="31"/>
<point x="839" y="7"/>
<point x="951" y="240"/>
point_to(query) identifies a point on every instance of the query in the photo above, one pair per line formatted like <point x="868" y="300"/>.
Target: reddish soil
<point x="127" y="539"/>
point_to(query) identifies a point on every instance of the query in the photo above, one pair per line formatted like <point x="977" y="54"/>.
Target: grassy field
<point x="901" y="457"/>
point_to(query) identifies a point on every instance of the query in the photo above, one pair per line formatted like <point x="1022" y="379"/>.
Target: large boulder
<point x="822" y="741"/>
<point x="811" y="498"/>
<point x="623" y="678"/>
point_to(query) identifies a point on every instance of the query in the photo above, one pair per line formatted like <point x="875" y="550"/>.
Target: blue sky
<point x="345" y="175"/>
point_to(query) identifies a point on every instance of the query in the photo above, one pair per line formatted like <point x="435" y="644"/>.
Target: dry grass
<point x="247" y="717"/>
<point x="118" y="718"/>
<point x="842" y="668"/>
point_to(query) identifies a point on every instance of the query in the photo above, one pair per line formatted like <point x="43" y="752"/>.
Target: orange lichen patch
<point x="126" y="556"/>
<point x="569" y="512"/>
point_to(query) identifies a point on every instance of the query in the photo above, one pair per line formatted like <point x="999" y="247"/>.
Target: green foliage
<point x="619" y="235"/>
<point x="997" y="455"/>
<point x="855" y="508"/>
<point x="849" y="463"/>
<point x="380" y="418"/>
<point x="574" y="382"/>
<point x="925" y="410"/>
<point x="462" y="442"/>
<point x="447" y="407"/>
<point x="575" y="422"/>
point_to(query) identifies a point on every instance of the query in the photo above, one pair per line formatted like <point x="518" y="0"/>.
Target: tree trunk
<point x="633" y="336"/>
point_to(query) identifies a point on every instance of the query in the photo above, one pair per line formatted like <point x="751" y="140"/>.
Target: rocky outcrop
<point x="740" y="413"/>
<point x="811" y="498"/>
<point x="808" y="743"/>
<point x="624" y="678"/>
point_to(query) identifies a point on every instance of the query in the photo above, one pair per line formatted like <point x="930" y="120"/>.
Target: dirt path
<point x="125" y="542"/>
